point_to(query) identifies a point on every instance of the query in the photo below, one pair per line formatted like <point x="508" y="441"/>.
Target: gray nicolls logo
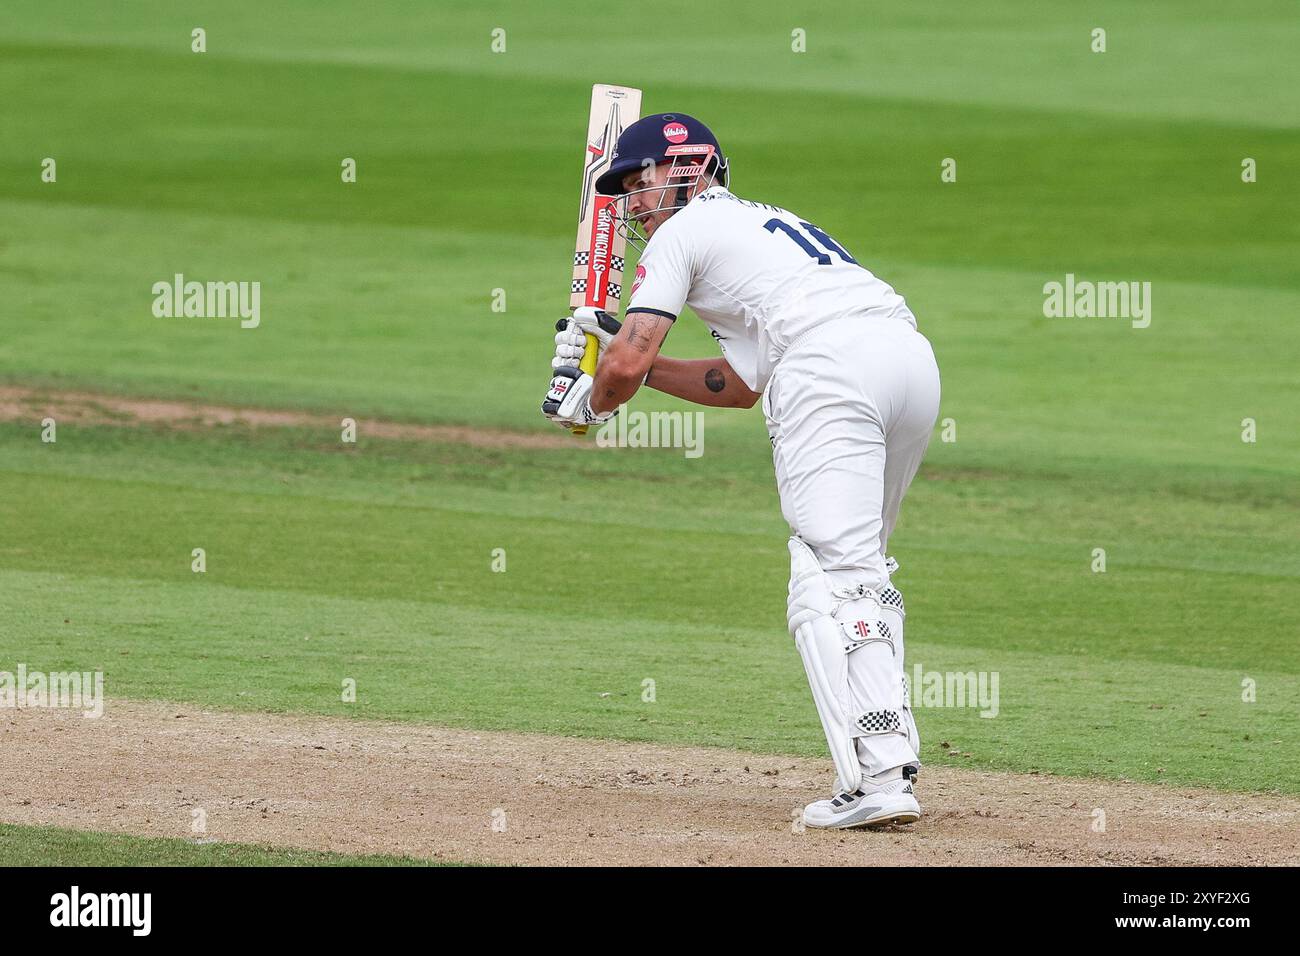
<point x="75" y="908"/>
<point x="208" y="300"/>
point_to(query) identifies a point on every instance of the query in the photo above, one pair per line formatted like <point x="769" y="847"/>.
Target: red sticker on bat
<point x="675" y="133"/>
<point x="640" y="277"/>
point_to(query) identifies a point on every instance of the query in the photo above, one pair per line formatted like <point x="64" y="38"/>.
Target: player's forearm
<point x="703" y="381"/>
<point x="628" y="357"/>
<point x="614" y="385"/>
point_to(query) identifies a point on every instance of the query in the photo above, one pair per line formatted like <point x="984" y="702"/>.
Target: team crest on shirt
<point x="640" y="277"/>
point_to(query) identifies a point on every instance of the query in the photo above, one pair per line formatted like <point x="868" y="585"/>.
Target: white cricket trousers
<point x="850" y="409"/>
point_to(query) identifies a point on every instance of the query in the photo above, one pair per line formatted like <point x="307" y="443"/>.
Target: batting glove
<point x="571" y="343"/>
<point x="568" y="403"/>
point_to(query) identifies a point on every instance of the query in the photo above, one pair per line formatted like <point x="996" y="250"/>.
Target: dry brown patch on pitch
<point x="20" y="403"/>
<point x="356" y="786"/>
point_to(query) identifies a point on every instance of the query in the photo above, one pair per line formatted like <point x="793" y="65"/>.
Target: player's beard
<point x="637" y="229"/>
<point x="673" y="196"/>
<point x="651" y="223"/>
<point x="633" y="228"/>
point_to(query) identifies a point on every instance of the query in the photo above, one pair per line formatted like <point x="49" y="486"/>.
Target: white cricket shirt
<point x="760" y="278"/>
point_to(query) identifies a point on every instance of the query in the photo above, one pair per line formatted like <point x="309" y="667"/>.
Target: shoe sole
<point x="884" y="818"/>
<point x="889" y="819"/>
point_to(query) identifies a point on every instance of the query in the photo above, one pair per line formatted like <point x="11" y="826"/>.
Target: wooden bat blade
<point x="598" y="256"/>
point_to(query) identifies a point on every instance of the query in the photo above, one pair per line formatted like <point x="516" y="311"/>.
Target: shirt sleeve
<point x="664" y="274"/>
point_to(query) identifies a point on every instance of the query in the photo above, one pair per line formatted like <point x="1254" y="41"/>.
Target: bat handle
<point x="588" y="364"/>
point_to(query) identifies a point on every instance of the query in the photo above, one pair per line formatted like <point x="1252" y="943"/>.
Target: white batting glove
<point x="571" y="343"/>
<point x="600" y="324"/>
<point x="568" y="403"/>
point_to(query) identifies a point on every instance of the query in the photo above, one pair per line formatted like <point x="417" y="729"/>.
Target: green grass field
<point x="51" y="846"/>
<point x="374" y="561"/>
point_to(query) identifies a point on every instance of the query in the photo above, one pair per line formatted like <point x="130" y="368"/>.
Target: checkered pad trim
<point x="581" y="258"/>
<point x="616" y="262"/>
<point x="614" y="290"/>
<point x="579" y="285"/>
<point x="879" y="722"/>
<point x="891" y="597"/>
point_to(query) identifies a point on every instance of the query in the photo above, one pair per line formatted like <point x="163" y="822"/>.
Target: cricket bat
<point x="598" y="255"/>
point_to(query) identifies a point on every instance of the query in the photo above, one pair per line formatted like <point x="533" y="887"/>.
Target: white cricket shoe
<point x="883" y="799"/>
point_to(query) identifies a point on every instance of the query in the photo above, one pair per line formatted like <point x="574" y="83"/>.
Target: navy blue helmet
<point x="648" y="141"/>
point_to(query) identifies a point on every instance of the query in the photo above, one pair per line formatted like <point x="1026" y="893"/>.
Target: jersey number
<point x="825" y="241"/>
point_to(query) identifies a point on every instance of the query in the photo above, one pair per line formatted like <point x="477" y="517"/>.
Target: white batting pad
<point x="850" y="642"/>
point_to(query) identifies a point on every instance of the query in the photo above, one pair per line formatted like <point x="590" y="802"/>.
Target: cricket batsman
<point x="850" y="392"/>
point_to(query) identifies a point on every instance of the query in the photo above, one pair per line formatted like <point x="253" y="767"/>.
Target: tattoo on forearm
<point x="714" y="380"/>
<point x="638" y="332"/>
